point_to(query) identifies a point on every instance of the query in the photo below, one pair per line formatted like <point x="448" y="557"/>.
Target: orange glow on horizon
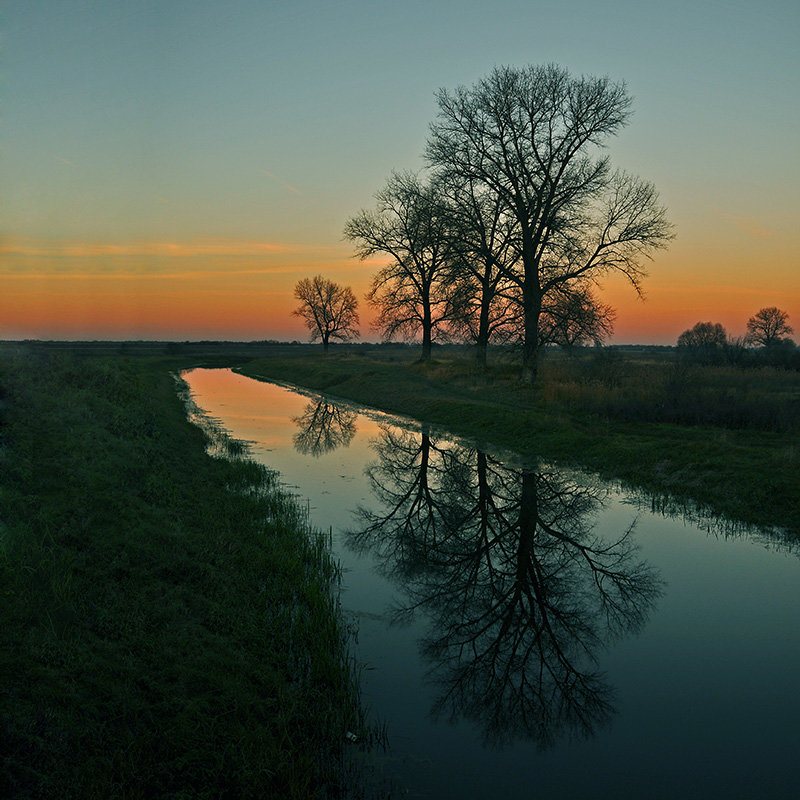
<point x="243" y="306"/>
<point x="24" y="247"/>
<point x="244" y="291"/>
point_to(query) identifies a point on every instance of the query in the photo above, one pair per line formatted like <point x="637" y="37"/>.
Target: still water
<point x="530" y="632"/>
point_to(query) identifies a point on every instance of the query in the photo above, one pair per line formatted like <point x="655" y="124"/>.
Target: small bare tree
<point x="705" y="342"/>
<point x="768" y="327"/>
<point x="704" y="334"/>
<point x="410" y="227"/>
<point x="573" y="317"/>
<point x="329" y="310"/>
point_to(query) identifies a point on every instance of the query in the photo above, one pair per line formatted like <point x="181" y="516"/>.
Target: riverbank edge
<point x="748" y="477"/>
<point x="170" y="622"/>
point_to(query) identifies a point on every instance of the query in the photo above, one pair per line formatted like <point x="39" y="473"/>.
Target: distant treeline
<point x="730" y="352"/>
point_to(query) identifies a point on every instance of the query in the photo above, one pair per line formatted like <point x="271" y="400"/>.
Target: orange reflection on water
<point x="259" y="410"/>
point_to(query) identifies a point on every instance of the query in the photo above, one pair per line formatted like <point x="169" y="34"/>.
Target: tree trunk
<point x="427" y="330"/>
<point x="480" y="355"/>
<point x="325" y="344"/>
<point x="530" y="363"/>
<point x="531" y="308"/>
<point x="423" y="490"/>
<point x="484" y="496"/>
<point x="530" y="347"/>
<point x="483" y="333"/>
<point x="426" y="345"/>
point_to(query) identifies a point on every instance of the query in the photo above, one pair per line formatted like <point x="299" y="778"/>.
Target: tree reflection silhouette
<point x="323" y="426"/>
<point x="520" y="593"/>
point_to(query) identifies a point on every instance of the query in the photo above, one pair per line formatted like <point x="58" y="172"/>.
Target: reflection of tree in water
<point x="323" y="426"/>
<point x="521" y="593"/>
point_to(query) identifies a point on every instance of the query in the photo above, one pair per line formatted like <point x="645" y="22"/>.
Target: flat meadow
<point x="170" y="622"/>
<point x="722" y="439"/>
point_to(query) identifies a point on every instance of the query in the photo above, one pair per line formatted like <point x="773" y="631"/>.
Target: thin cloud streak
<point x="750" y="225"/>
<point x="209" y="247"/>
<point x="23" y="272"/>
<point x="288" y="186"/>
<point x="131" y="276"/>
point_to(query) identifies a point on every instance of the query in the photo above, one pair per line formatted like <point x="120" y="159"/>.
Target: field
<point x="170" y="626"/>
<point x="716" y="440"/>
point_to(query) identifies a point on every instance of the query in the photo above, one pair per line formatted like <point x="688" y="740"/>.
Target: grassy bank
<point x="725" y="440"/>
<point x="168" y="627"/>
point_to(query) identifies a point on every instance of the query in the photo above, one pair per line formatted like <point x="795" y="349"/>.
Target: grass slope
<point x="749" y="475"/>
<point x="168" y="622"/>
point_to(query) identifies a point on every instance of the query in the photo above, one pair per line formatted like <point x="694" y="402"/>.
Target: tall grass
<point x="672" y="390"/>
<point x="721" y="438"/>
<point x="170" y="625"/>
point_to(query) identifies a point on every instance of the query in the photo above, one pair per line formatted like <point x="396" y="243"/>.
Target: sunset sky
<point x="170" y="169"/>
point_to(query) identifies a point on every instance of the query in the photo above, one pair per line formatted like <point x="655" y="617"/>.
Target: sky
<point x="170" y="170"/>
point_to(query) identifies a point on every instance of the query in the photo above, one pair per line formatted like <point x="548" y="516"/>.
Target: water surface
<point x="531" y="632"/>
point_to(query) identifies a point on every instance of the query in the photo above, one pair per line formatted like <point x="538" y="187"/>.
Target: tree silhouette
<point x="704" y="342"/>
<point x="768" y="327"/>
<point x="410" y="227"/>
<point x="329" y="310"/>
<point x="405" y="479"/>
<point x="530" y="137"/>
<point x="572" y="316"/>
<point x="484" y="302"/>
<point x="520" y="593"/>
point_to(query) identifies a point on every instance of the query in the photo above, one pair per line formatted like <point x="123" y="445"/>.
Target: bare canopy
<point x="410" y="228"/>
<point x="703" y="335"/>
<point x="573" y="317"/>
<point x="769" y="326"/>
<point x="329" y="310"/>
<point x="484" y="302"/>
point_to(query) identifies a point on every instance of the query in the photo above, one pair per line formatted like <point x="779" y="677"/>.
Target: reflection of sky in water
<point x="706" y="695"/>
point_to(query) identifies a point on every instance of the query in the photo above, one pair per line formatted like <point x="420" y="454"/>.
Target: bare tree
<point x="704" y="342"/>
<point x="768" y="327"/>
<point x="531" y="136"/>
<point x="410" y="226"/>
<point x="703" y="334"/>
<point x="574" y="316"/>
<point x="329" y="310"/>
<point x="483" y="301"/>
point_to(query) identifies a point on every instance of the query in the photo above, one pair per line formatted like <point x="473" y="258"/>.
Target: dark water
<point x="528" y="632"/>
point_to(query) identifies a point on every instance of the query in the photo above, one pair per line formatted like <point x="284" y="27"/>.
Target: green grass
<point x="169" y="625"/>
<point x="672" y="390"/>
<point x="169" y="622"/>
<point x="613" y="415"/>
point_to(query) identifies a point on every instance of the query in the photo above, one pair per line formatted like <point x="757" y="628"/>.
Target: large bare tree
<point x="329" y="310"/>
<point x="409" y="226"/>
<point x="532" y="137"/>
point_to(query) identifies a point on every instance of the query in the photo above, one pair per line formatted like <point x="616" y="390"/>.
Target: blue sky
<point x="273" y="122"/>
